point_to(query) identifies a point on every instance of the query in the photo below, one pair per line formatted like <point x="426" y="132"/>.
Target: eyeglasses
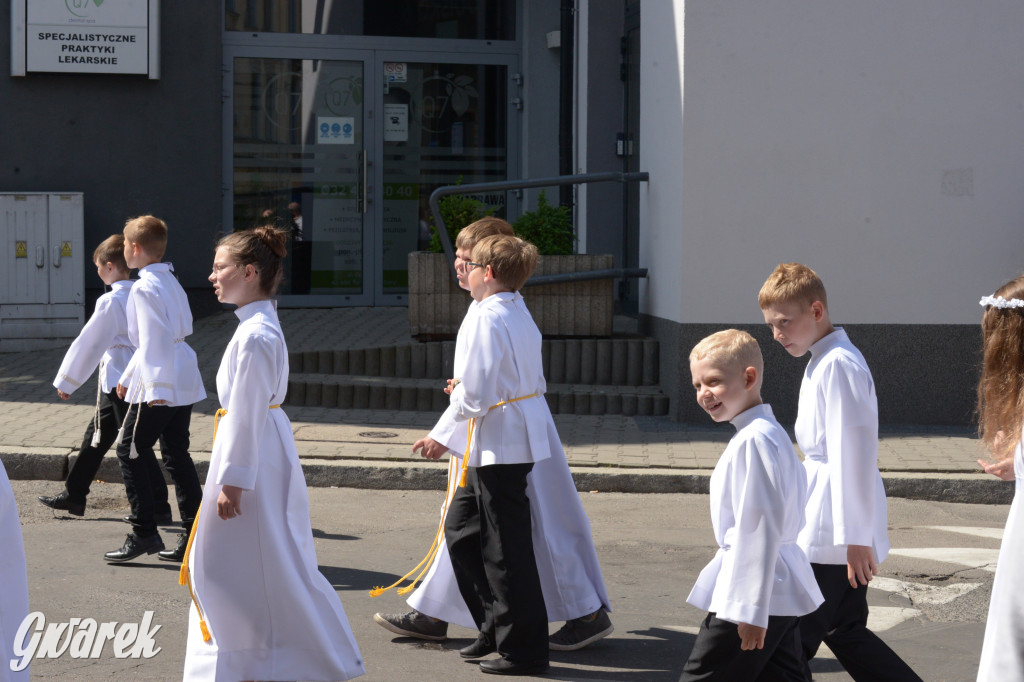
<point x="469" y="265"/>
<point x="217" y="269"/>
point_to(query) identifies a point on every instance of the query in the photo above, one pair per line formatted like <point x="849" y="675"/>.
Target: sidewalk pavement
<point x="40" y="434"/>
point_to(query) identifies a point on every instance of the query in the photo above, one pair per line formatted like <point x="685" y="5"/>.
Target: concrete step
<point x="427" y="395"/>
<point x="608" y="362"/>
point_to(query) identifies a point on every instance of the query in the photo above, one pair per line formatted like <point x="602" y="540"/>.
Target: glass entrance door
<point x="299" y="160"/>
<point x="444" y="123"/>
<point x="342" y="148"/>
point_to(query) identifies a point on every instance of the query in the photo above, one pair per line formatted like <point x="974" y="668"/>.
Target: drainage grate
<point x="378" y="434"/>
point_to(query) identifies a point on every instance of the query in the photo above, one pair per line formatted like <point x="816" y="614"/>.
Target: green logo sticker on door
<point x="21" y="249"/>
<point x="65" y="249"/>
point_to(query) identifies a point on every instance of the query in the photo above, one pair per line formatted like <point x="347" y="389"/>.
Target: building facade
<point x="879" y="144"/>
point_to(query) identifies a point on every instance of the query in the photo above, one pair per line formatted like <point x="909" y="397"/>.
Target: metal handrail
<point x="504" y="185"/>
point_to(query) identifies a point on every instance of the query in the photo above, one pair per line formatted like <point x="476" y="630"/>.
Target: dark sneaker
<point x="413" y="624"/>
<point x="62" y="502"/>
<point x="178" y="553"/>
<point x="579" y="632"/>
<point x="503" y="666"/>
<point x="135" y="547"/>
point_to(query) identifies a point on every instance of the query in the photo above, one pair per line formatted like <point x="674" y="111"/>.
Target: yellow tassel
<point x="204" y="630"/>
<point x="431" y="553"/>
<point x="183" y="574"/>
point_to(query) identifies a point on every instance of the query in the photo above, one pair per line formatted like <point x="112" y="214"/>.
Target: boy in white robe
<point x="570" y="573"/>
<point x="103" y="341"/>
<point x="497" y="393"/>
<point x="846" y="535"/>
<point x="163" y="380"/>
<point x="759" y="582"/>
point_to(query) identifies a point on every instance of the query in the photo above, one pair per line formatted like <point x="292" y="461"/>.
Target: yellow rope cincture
<point x="469" y="437"/>
<point x="435" y="546"/>
<point x="184" y="578"/>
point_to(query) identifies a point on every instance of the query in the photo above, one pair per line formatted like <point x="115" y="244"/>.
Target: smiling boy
<point x="846" y="535"/>
<point x="759" y="583"/>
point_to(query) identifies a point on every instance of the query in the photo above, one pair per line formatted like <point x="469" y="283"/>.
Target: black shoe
<point x="164" y="519"/>
<point x="178" y="553"/>
<point x="63" y="503"/>
<point x="135" y="547"/>
<point x="478" y="649"/>
<point x="503" y="666"/>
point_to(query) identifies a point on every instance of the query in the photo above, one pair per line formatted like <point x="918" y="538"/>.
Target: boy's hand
<point x="229" y="502"/>
<point x="1003" y="470"/>
<point x="122" y="391"/>
<point x="65" y="396"/>
<point x="751" y="636"/>
<point x="429" y="447"/>
<point x="157" y="402"/>
<point x="860" y="564"/>
<point x="452" y="383"/>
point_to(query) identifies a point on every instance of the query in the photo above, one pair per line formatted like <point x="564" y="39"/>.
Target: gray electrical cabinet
<point x="42" y="300"/>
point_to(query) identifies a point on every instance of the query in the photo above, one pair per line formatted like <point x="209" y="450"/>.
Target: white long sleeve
<point x="837" y="429"/>
<point x="102" y="342"/>
<point x="757" y="509"/>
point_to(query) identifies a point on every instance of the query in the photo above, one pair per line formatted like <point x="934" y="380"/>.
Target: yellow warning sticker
<point x="21" y="249"/>
<point x="65" y="249"/>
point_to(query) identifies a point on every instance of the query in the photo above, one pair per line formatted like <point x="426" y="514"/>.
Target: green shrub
<point x="457" y="211"/>
<point x="549" y="228"/>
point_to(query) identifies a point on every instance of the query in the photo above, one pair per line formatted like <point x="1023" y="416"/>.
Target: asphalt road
<point x="937" y="583"/>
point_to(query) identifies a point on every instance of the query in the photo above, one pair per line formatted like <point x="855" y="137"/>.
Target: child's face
<point x="107" y="272"/>
<point x="795" y="325"/>
<point x="478" y="281"/>
<point x="724" y="390"/>
<point x="228" y="278"/>
<point x="462" y="256"/>
<point x="132" y="254"/>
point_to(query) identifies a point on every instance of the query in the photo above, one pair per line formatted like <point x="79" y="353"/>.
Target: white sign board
<point x="396" y="72"/>
<point x="396" y="122"/>
<point x="85" y="36"/>
<point x="335" y="130"/>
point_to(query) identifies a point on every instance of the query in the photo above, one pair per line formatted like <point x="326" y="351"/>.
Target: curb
<point x="51" y="464"/>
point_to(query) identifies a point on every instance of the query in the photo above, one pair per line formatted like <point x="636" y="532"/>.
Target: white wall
<point x="880" y="143"/>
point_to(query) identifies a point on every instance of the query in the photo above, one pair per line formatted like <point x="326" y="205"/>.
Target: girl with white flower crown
<point x="1000" y="424"/>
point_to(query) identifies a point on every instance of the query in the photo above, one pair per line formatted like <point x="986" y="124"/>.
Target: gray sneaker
<point x="579" y="632"/>
<point x="413" y="624"/>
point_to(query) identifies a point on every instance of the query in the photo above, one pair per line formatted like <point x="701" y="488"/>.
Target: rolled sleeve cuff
<point x="239" y="476"/>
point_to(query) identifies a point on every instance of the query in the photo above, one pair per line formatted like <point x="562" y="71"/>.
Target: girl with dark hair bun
<point x="261" y="608"/>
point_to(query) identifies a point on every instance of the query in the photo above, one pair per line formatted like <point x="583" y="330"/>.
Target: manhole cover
<point x="378" y="434"/>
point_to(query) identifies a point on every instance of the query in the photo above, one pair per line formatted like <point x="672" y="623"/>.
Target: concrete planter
<point x="437" y="305"/>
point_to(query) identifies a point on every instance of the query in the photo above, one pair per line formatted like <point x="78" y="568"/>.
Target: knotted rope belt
<point x="184" y="575"/>
<point x="424" y="565"/>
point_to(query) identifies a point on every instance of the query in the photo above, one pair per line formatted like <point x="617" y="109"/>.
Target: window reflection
<point x="454" y="19"/>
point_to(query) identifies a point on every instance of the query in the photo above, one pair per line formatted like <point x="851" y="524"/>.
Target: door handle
<point x="56" y="255"/>
<point x="40" y="257"/>
<point x="364" y="182"/>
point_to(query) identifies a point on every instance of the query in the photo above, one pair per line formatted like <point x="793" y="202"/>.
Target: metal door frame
<point x="373" y="73"/>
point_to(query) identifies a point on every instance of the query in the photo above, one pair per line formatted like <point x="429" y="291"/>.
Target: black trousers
<point x="717" y="655"/>
<point x="171" y="424"/>
<point x="83" y="472"/>
<point x="489" y="536"/>
<point x="841" y="622"/>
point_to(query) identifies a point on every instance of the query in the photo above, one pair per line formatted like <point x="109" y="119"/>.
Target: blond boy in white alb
<point x="759" y="583"/>
<point x="846" y="535"/>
